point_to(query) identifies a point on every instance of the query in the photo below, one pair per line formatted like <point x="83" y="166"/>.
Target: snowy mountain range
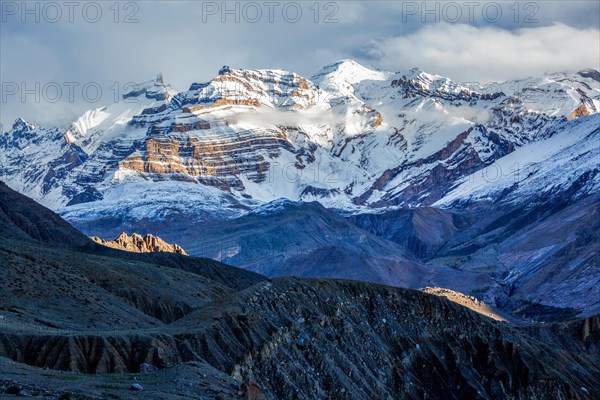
<point x="348" y="137"/>
<point x="228" y="159"/>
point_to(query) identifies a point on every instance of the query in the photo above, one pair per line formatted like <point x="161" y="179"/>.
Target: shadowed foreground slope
<point x="194" y="328"/>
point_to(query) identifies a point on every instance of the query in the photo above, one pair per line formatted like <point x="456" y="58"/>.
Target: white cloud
<point x="273" y="116"/>
<point x="482" y="54"/>
<point x="433" y="113"/>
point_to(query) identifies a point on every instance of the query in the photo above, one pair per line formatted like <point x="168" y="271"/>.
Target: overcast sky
<point x="83" y="43"/>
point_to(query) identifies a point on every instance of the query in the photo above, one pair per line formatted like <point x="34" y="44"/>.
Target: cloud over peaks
<point x="483" y="54"/>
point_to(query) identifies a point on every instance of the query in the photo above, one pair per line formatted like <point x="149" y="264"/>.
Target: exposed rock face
<point x="140" y="244"/>
<point x="470" y="302"/>
<point x="581" y="111"/>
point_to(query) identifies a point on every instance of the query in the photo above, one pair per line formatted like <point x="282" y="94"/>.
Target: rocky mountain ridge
<point x="140" y="244"/>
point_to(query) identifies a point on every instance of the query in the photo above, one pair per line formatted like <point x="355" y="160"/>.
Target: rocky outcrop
<point x="417" y="83"/>
<point x="581" y="111"/>
<point x="140" y="244"/>
<point x="214" y="161"/>
<point x="470" y="302"/>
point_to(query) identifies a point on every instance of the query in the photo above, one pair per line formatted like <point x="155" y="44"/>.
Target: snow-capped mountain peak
<point x="348" y="71"/>
<point x="21" y="125"/>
